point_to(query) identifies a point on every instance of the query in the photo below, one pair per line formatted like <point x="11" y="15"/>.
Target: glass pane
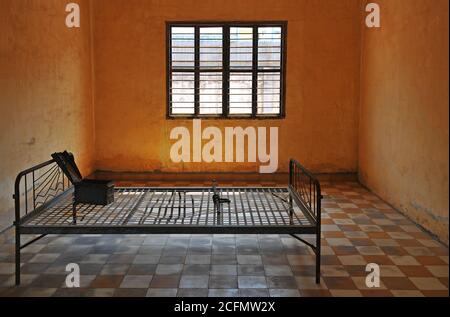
<point x="241" y="48"/>
<point x="269" y="93"/>
<point x="182" y="93"/>
<point x="183" y="47"/>
<point x="269" y="47"/>
<point x="210" y="93"/>
<point x="211" y="51"/>
<point x="240" y="93"/>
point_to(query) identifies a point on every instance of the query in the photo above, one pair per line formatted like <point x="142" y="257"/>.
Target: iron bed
<point x="44" y="204"/>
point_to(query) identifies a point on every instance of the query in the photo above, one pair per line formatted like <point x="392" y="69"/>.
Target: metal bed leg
<point x="17" y="255"/>
<point x="317" y="251"/>
<point x="74" y="213"/>
<point x="291" y="210"/>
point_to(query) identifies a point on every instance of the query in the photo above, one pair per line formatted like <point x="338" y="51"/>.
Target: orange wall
<point x="45" y="90"/>
<point x="321" y="127"/>
<point x="403" y="141"/>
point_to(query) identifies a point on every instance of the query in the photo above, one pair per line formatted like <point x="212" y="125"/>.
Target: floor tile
<point x="96" y="258"/>
<point x="253" y="292"/>
<point x="121" y="258"/>
<point x="335" y="283"/>
<point x="249" y="259"/>
<point x="114" y="269"/>
<point x="251" y="270"/>
<point x="217" y="269"/>
<point x="69" y="292"/>
<point x="100" y="292"/>
<point x="281" y="282"/>
<point x="398" y="283"/>
<point x="334" y="271"/>
<point x="352" y="260"/>
<point x="415" y="271"/>
<point x="407" y="293"/>
<point x="165" y="281"/>
<point x="44" y="258"/>
<point x="404" y="260"/>
<point x="223" y="281"/>
<point x="428" y="283"/>
<point x="192" y="292"/>
<point x="345" y="293"/>
<point x="48" y="281"/>
<point x="107" y="281"/>
<point x="196" y="269"/>
<point x="167" y="269"/>
<point x="136" y="281"/>
<point x="438" y="270"/>
<point x="142" y="269"/>
<point x="39" y="292"/>
<point x="198" y="259"/>
<point x="223" y="293"/>
<point x="146" y="259"/>
<point x="278" y="270"/>
<point x="195" y="281"/>
<point x="162" y="292"/>
<point x="252" y="282"/>
<point x="284" y="293"/>
<point x="130" y="292"/>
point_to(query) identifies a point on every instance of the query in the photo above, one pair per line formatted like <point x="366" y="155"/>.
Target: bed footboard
<point x="305" y="190"/>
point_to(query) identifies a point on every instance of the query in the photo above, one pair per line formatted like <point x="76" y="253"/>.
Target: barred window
<point x="226" y="70"/>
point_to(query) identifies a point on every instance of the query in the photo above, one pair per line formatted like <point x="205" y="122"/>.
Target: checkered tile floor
<point x="358" y="229"/>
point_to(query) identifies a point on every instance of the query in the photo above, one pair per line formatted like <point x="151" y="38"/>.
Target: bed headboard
<point x="37" y="186"/>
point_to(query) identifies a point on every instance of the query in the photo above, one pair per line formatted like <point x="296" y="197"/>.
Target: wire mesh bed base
<point x="45" y="203"/>
<point x="177" y="210"/>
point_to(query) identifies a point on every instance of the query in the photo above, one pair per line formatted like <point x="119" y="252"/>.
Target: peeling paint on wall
<point x="429" y="212"/>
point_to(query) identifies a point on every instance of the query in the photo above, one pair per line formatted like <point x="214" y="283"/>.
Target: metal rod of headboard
<point x="19" y="178"/>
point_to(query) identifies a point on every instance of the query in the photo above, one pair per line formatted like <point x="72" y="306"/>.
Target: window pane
<point x="183" y="47"/>
<point x="241" y="48"/>
<point x="182" y="93"/>
<point x="210" y="93"/>
<point x="241" y="93"/>
<point x="269" y="93"/>
<point x="269" y="47"/>
<point x="196" y="82"/>
<point x="211" y="47"/>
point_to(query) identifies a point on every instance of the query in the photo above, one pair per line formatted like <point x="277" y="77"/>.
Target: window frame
<point x="226" y="71"/>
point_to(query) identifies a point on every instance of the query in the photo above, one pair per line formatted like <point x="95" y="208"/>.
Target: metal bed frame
<point x="46" y="206"/>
